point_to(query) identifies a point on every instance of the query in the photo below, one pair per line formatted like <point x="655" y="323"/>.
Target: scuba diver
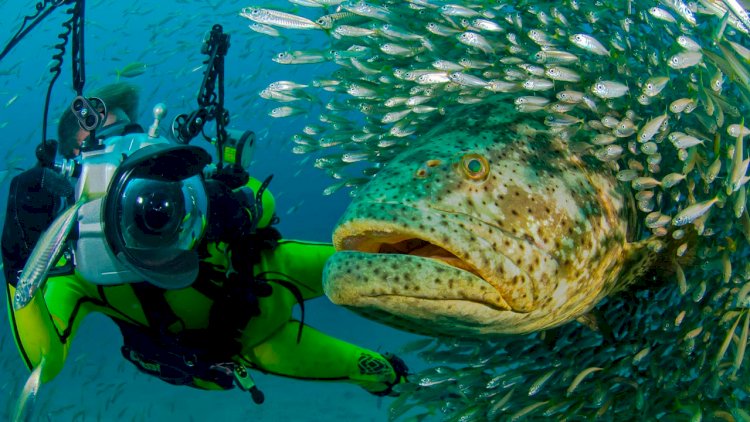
<point x="220" y="282"/>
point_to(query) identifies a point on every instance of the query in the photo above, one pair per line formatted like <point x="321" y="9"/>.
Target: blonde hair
<point x="120" y="95"/>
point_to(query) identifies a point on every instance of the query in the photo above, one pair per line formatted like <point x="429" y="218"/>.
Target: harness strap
<point x="297" y="295"/>
<point x="159" y="314"/>
<point x="177" y="358"/>
<point x="204" y="353"/>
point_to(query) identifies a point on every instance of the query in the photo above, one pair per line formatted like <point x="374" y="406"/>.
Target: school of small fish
<point x="656" y="90"/>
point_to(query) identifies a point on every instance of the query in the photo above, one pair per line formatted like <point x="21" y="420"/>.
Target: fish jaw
<point x="412" y="293"/>
<point x="404" y="268"/>
<point x="401" y="274"/>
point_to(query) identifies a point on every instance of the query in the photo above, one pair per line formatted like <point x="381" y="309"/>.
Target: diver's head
<point x="121" y="100"/>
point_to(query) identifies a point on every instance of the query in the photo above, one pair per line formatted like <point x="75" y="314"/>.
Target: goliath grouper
<point x="651" y="94"/>
<point x="482" y="230"/>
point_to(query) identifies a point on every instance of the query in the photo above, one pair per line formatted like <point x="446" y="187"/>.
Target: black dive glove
<point x="401" y="370"/>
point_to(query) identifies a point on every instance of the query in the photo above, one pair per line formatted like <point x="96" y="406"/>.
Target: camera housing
<point x="103" y="254"/>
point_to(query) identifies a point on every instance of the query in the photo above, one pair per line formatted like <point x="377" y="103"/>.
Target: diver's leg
<point x="320" y="357"/>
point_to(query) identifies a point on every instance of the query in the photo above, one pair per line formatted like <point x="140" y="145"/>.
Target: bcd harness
<point x="181" y="357"/>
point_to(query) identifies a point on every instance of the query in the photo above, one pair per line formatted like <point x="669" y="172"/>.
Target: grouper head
<point x="482" y="229"/>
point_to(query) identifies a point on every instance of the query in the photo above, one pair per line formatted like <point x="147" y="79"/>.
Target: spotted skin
<point x="480" y="230"/>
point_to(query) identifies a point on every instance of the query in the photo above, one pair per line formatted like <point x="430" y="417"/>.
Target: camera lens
<point x="91" y="121"/>
<point x="77" y="105"/>
<point x="156" y="210"/>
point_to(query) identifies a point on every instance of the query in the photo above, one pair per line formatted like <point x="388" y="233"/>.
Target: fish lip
<point x="458" y="326"/>
<point x="418" y="299"/>
<point x="462" y="292"/>
<point x="372" y="240"/>
<point x="353" y="231"/>
<point x="402" y="242"/>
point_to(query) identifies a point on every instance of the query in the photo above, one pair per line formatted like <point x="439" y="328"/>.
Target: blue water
<point x="97" y="384"/>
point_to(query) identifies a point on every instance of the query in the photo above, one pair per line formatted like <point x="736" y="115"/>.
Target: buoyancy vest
<point x="201" y="358"/>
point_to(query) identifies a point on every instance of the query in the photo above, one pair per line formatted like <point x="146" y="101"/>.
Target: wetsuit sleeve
<point x="320" y="357"/>
<point x="45" y="327"/>
<point x="275" y="343"/>
<point x="301" y="263"/>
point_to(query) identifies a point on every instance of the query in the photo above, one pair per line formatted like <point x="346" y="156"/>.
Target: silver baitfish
<point x="44" y="256"/>
<point x="276" y="18"/>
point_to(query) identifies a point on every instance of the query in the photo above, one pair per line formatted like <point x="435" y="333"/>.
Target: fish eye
<point x="475" y="166"/>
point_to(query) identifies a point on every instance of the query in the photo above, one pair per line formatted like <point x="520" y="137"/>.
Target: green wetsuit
<point x="44" y="329"/>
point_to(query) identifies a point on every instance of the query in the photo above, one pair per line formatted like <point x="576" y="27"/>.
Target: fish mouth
<point x="395" y="252"/>
<point x="493" y="263"/>
<point x="379" y="242"/>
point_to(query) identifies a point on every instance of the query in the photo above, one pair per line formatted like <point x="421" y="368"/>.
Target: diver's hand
<point x="401" y="371"/>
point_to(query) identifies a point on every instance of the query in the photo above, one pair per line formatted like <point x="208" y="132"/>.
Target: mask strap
<point x="113" y="129"/>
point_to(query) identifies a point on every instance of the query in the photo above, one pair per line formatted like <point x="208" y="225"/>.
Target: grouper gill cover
<point x="555" y="190"/>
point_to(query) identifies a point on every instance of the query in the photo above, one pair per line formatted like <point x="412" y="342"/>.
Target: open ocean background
<point x="97" y="384"/>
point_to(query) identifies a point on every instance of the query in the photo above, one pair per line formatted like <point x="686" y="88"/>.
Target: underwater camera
<point x="146" y="204"/>
<point x="142" y="201"/>
<point x="145" y="209"/>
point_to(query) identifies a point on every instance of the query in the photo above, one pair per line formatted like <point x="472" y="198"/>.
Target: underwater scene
<point x="538" y="207"/>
